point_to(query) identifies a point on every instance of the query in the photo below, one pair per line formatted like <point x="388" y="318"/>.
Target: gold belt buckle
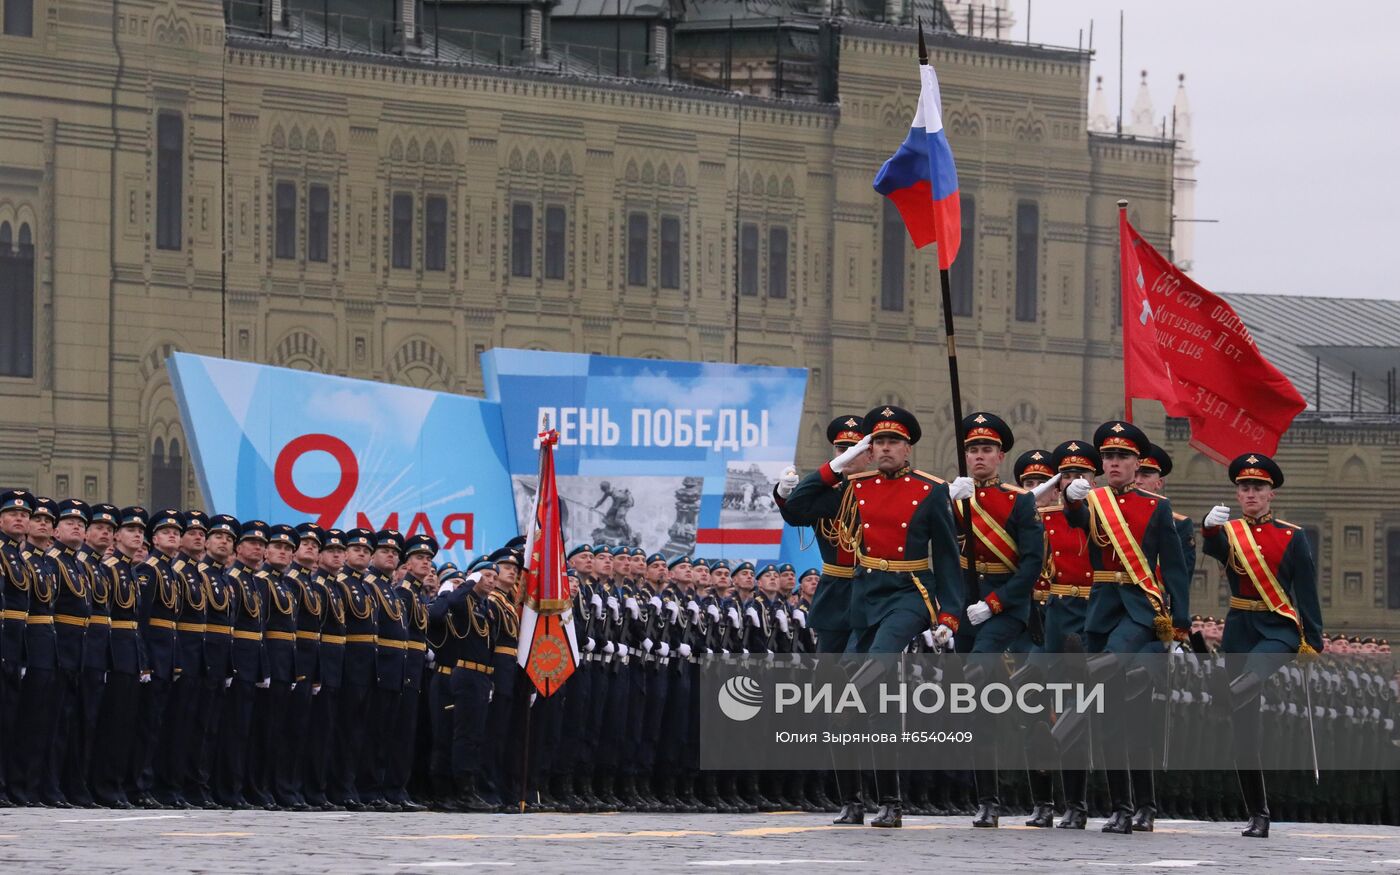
<point x="884" y="565"/>
<point x="1074" y="590"/>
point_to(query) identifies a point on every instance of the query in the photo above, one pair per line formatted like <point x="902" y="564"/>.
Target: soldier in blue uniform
<point x="330" y="666"/>
<point x="1008" y="550"/>
<point x="473" y="622"/>
<point x="1139" y="601"/>
<point x="161" y="604"/>
<point x="311" y="610"/>
<point x="390" y="634"/>
<point x="444" y="645"/>
<point x="29" y="751"/>
<point x="504" y="754"/>
<point x="573" y="778"/>
<point x="246" y="584"/>
<point x="16" y="506"/>
<point x="221" y="606"/>
<point x="116" y="721"/>
<point x="181" y="731"/>
<point x="898" y="522"/>
<point x="276" y="746"/>
<point x="415" y="592"/>
<point x="355" y="736"/>
<point x="1273" y="609"/>
<point x="97" y="650"/>
<point x="71" y="614"/>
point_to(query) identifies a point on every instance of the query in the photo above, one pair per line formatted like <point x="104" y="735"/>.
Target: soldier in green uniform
<point x="1273" y="609"/>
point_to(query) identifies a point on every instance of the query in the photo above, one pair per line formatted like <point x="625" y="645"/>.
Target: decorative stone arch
<point x="679" y="180"/>
<point x="789" y="189"/>
<point x="773" y="187"/>
<point x="418" y="362"/>
<point x="396" y="150"/>
<point x="302" y="351"/>
<point x="1201" y="469"/>
<point x="648" y="173"/>
<point x="313" y="141"/>
<point x="447" y="155"/>
<point x="164" y="477"/>
<point x="743" y="182"/>
<point x="663" y="175"/>
<point x="279" y="137"/>
<point x="550" y="165"/>
<point x="632" y="174"/>
<point x="328" y="142"/>
<point x="294" y="139"/>
<point x="412" y="154"/>
<point x="566" y="165"/>
<point x="1026" y="425"/>
<point x="532" y="162"/>
<point x="1355" y="470"/>
<point x="430" y="152"/>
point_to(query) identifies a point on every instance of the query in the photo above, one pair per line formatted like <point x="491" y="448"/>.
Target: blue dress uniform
<point x="414" y="604"/>
<point x="65" y="782"/>
<point x="503" y="682"/>
<point x="357" y="680"/>
<point x="474" y="621"/>
<point x="1273" y="611"/>
<point x="248" y="591"/>
<point x="311" y="609"/>
<point x="19" y="580"/>
<point x="330" y="666"/>
<point x="97" y="653"/>
<point x="160" y="615"/>
<point x="1139" y="600"/>
<point x="221" y="608"/>
<point x="574" y="773"/>
<point x="117" y="716"/>
<point x="672" y="771"/>
<point x="390" y="638"/>
<point x="36" y="701"/>
<point x="183" y="731"/>
<point x="278" y="763"/>
<point x="445" y="646"/>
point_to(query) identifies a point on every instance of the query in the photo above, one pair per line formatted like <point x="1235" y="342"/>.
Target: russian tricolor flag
<point x="920" y="177"/>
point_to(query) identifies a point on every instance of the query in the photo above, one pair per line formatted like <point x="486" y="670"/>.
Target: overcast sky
<point x="1296" y="126"/>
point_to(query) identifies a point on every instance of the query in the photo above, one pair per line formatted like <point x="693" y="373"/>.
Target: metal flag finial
<point x="923" y="49"/>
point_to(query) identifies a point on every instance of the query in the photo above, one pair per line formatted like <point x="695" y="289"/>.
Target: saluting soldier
<point x="220" y="610"/>
<point x="116" y="722"/>
<point x="1008" y="550"/>
<point x="161" y="603"/>
<point x="899" y="524"/>
<point x="1273" y="609"/>
<point x="330" y="665"/>
<point x="1069" y="575"/>
<point x="473" y="621"/>
<point x="445" y="645"/>
<point x="62" y="784"/>
<point x="1140" y="597"/>
<point x="415" y="592"/>
<point x="246" y="584"/>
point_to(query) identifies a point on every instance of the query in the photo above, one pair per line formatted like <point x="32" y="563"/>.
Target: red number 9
<point x="327" y="508"/>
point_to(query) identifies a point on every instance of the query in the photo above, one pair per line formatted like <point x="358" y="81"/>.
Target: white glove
<point x="745" y="651"/>
<point x="799" y="617"/>
<point x="228" y="682"/>
<point x="961" y="488"/>
<point x="673" y="609"/>
<point x="589" y="645"/>
<point x="292" y="687"/>
<point x="432" y="657"/>
<point x="262" y="684"/>
<point x="927" y="635"/>
<point x="596" y="601"/>
<point x="646" y="644"/>
<point x="713" y="610"/>
<point x="733" y="615"/>
<point x="752" y="614"/>
<point x="447" y="587"/>
<point x="839" y="463"/>
<point x="723" y="652"/>
<point x="1046" y="486"/>
<point x="1180" y="650"/>
<point x="1077" y="490"/>
<point x="145" y="676"/>
<point x="941" y="636"/>
<point x="664" y="650"/>
<point x="782" y="618"/>
<point x="787" y="481"/>
<point x="632" y="607"/>
<point x="978" y="613"/>
<point x="1218" y="516"/>
<point x="694" y="609"/>
<point x="315" y="689"/>
<point x="612" y="604"/>
<point x="622" y="650"/>
<point x="684" y="650"/>
<point x="655" y="602"/>
<point x="609" y="648"/>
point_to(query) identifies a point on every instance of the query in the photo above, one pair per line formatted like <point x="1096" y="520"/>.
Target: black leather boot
<point x="890" y="815"/>
<point x="1120" y="822"/>
<point x="1075" y="818"/>
<point x="1042" y="816"/>
<point x="1145" y="817"/>
<point x="852" y="814"/>
<point x="1256" y="800"/>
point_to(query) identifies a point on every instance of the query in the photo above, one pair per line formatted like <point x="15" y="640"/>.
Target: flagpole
<point x="955" y="387"/>
<point x="1123" y="325"/>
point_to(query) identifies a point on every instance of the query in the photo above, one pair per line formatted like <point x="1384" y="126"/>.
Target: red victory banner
<point x="547" y="649"/>
<point x="1187" y="348"/>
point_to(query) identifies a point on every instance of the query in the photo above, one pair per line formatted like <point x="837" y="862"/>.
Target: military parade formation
<point x="178" y="660"/>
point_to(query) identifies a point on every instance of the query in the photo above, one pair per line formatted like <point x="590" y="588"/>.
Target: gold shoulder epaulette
<point x="261" y="574"/>
<point x="1011" y="487"/>
<point x="83" y="555"/>
<point x="862" y="475"/>
<point x="151" y="561"/>
<point x="340" y="577"/>
<point x="926" y="475"/>
<point x="1179" y="516"/>
<point x="110" y="561"/>
<point x="235" y="573"/>
<point x="1286" y="524"/>
<point x="1151" y="494"/>
<point x="1053" y="508"/>
<point x="203" y="566"/>
<point x="52" y="553"/>
<point x="179" y="565"/>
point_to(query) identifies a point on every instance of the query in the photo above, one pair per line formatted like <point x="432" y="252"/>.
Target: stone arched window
<point x="167" y="473"/>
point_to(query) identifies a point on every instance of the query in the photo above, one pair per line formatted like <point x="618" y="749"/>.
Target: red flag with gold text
<point x="547" y="649"/>
<point x="1187" y="348"/>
